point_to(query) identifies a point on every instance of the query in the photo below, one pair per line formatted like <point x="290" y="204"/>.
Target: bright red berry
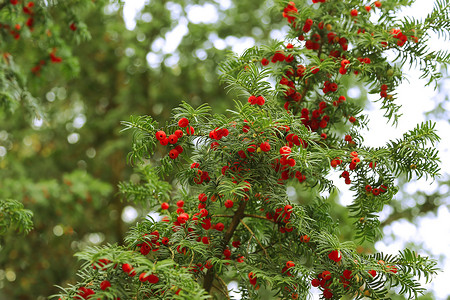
<point x="219" y="227"/>
<point x="183" y="122"/>
<point x="160" y="135"/>
<point x="173" y="153"/>
<point x="335" y="255"/>
<point x="229" y="203"/>
<point x="290" y="264"/>
<point x="354" y="12"/>
<point x="164" y="205"/>
<point x="173" y="139"/>
<point x="265" y="147"/>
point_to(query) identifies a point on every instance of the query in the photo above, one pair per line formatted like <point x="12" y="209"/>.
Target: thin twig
<point x="257" y="217"/>
<point x="248" y="228"/>
<point x="222" y="216"/>
<point x="224" y="285"/>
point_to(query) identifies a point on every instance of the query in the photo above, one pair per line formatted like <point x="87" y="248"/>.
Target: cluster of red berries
<point x="14" y="31"/>
<point x="218" y="134"/>
<point x="340" y="100"/>
<point x="253" y="100"/>
<point x="200" y="176"/>
<point x="54" y="58"/>
<point x="289" y="12"/>
<point x="324" y="281"/>
<point x="383" y="92"/>
<point x="348" y="138"/>
<point x="84" y="293"/>
<point x="291" y="94"/>
<point x="281" y="216"/>
<point x="316" y="120"/>
<point x="152" y="278"/>
<point x="329" y="87"/>
<point x="401" y="38"/>
<point x="28" y="10"/>
<point x="287" y="268"/>
<point x="375" y="191"/>
<point x="151" y="244"/>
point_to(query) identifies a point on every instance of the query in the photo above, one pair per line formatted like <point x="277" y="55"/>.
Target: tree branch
<point x="238" y="215"/>
<point x="253" y="234"/>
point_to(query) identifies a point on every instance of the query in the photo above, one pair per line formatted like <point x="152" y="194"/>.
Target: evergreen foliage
<point x="13" y="215"/>
<point x="231" y="171"/>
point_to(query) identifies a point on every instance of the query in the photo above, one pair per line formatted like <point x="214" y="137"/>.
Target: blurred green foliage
<point x="62" y="154"/>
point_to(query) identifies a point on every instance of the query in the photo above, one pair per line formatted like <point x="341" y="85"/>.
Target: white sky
<point x="414" y="97"/>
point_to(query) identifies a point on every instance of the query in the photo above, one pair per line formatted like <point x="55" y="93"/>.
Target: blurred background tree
<point x="61" y="151"/>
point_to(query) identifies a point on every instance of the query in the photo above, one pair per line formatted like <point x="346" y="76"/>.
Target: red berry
<point x="183" y="122"/>
<point x="354" y="12"/>
<point x="14" y="2"/>
<point x="236" y="244"/>
<point x="265" y="147"/>
<point x="376" y="192"/>
<point x="173" y="138"/>
<point x="208" y="264"/>
<point x="73" y="27"/>
<point x="264" y="61"/>
<point x="335" y="255"/>
<point x="352" y="119"/>
<point x="180" y="203"/>
<point x="219" y="227"/>
<point x="104" y="285"/>
<point x="178" y="133"/>
<point x="173" y="153"/>
<point x="304" y="238"/>
<point x="127" y="268"/>
<point x="143" y="278"/>
<point x="326" y="275"/>
<point x="368" y="188"/>
<point x="285" y="150"/>
<point x="179" y="149"/>
<point x="290" y="264"/>
<point x="373" y="273"/>
<point x="164" y="205"/>
<point x="315" y="282"/>
<point x="152" y="278"/>
<point x="229" y="203"/>
<point x="347" y="274"/>
<point x="227" y="252"/>
<point x="202" y="197"/>
<point x="315" y="69"/>
<point x="327" y="294"/>
<point x="182" y="218"/>
<point x="190" y="130"/>
<point x="160" y="135"/>
<point x="260" y="100"/>
<point x="377" y="3"/>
